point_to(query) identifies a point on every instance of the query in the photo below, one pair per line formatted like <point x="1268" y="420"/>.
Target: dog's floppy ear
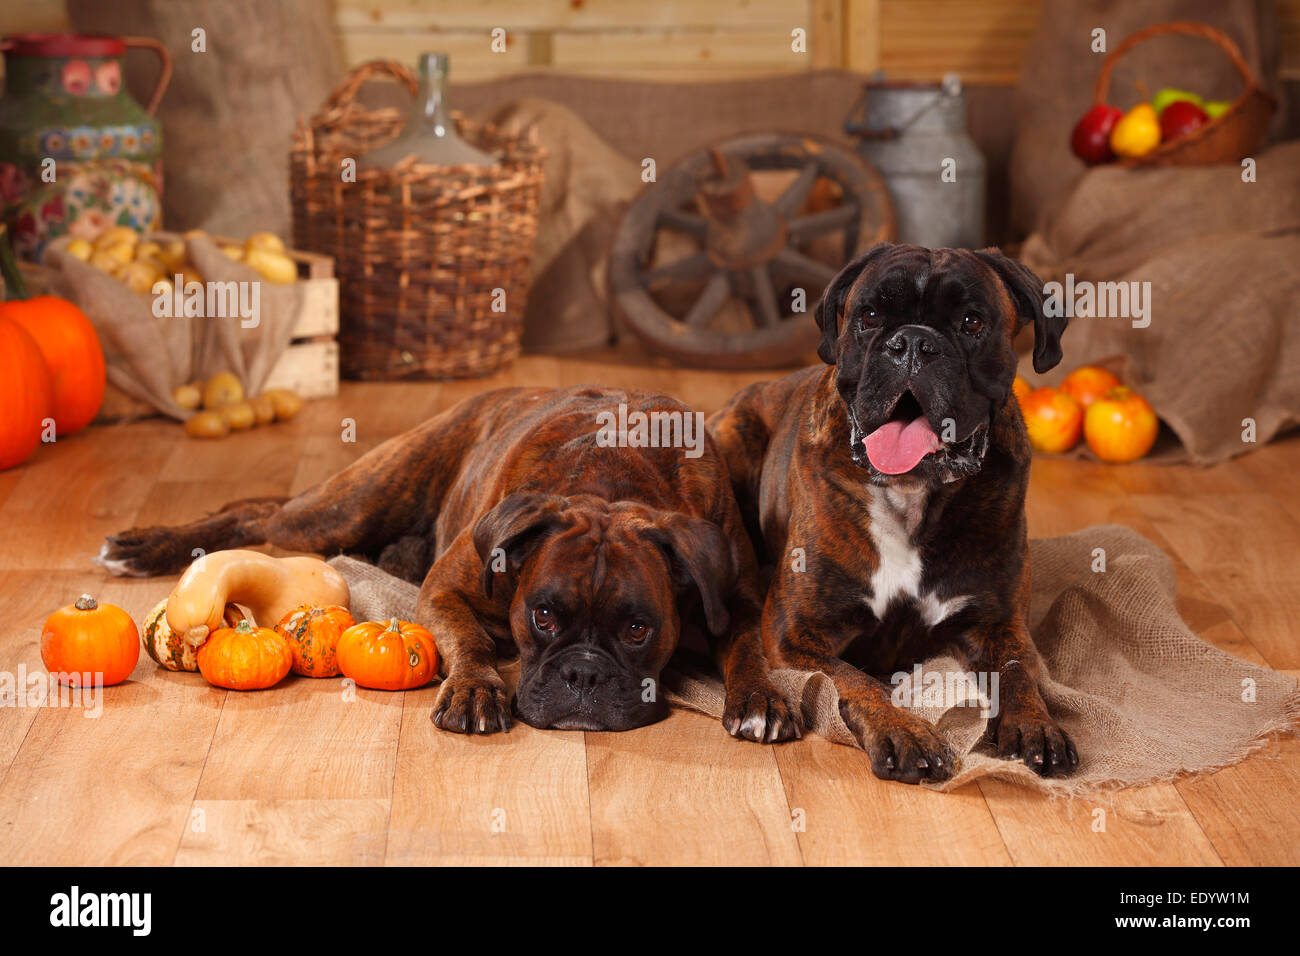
<point x="700" y="556"/>
<point x="831" y="305"/>
<point x="510" y="532"/>
<point x="1028" y="294"/>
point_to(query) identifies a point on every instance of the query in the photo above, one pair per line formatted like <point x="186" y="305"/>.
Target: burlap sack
<point x="1223" y="259"/>
<point x="1142" y="696"/>
<point x="229" y="113"/>
<point x="147" y="356"/>
<point x="1060" y="69"/>
<point x="586" y="185"/>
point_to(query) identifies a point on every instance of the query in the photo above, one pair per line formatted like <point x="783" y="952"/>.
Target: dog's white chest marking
<point x="895" y="514"/>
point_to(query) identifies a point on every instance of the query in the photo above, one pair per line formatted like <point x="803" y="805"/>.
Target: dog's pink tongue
<point x="895" y="447"/>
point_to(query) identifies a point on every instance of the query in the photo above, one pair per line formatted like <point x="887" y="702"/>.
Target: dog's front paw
<point x="901" y="745"/>
<point x="142" y="552"/>
<point x="1032" y="736"/>
<point x="472" y="705"/>
<point x="758" y="711"/>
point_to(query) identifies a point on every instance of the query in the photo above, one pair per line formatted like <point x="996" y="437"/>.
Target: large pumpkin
<point x="72" y="353"/>
<point x="89" y="638"/>
<point x="244" y="657"/>
<point x="170" y="649"/>
<point x="392" y="655"/>
<point x="26" y="396"/>
<point x="313" y="634"/>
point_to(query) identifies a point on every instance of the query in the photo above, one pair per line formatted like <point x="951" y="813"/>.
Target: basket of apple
<point x="1175" y="127"/>
<point x="1092" y="406"/>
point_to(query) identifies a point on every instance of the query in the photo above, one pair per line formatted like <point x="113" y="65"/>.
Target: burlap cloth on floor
<point x="1143" y="697"/>
<point x="147" y="357"/>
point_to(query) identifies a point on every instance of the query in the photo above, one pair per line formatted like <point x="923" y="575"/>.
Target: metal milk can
<point x="915" y="134"/>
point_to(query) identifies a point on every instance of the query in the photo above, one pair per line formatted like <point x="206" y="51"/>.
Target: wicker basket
<point x="1237" y="132"/>
<point x="422" y="252"/>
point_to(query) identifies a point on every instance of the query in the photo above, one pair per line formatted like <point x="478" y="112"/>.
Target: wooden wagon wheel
<point x="750" y="257"/>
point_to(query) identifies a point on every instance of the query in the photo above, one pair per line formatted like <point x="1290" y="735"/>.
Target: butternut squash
<point x="268" y="587"/>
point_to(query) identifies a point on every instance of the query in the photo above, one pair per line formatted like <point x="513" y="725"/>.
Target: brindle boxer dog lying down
<point x="536" y="535"/>
<point x="901" y="471"/>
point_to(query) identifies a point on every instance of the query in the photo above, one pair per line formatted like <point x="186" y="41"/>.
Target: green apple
<point x="1170" y="95"/>
<point x="1216" y="108"/>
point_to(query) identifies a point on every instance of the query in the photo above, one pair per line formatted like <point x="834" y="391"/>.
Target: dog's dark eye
<point x="637" y="632"/>
<point x="543" y="619"/>
<point x="867" y="319"/>
<point x="972" y="323"/>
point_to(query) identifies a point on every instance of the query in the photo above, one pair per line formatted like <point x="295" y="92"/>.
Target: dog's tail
<point x="145" y="552"/>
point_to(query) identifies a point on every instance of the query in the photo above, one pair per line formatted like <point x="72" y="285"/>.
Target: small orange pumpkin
<point x="88" y="638"/>
<point x="245" y="657"/>
<point x="393" y="655"/>
<point x="313" y="634"/>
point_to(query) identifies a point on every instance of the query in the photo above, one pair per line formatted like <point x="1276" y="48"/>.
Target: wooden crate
<point x="310" y="365"/>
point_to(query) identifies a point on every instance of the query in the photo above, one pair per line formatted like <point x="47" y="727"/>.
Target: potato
<point x="189" y="275"/>
<point x="138" y="276"/>
<point x="286" y="403"/>
<point x="157" y="265"/>
<point x="268" y="241"/>
<point x="149" y="249"/>
<point x="264" y="409"/>
<point x="238" y="416"/>
<point x="123" y="252"/>
<point x="222" y="389"/>
<point x="233" y="252"/>
<point x="104" y="262"/>
<point x="206" y="425"/>
<point x="173" y="255"/>
<point x="273" y="266"/>
<point x="188" y="397"/>
<point x="115" y="234"/>
<point x="79" y="249"/>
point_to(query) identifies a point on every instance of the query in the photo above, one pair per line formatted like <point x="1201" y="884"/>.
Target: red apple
<point x="1091" y="137"/>
<point x="1053" y="419"/>
<point x="1088" y="383"/>
<point x="1120" y="426"/>
<point x="1180" y="118"/>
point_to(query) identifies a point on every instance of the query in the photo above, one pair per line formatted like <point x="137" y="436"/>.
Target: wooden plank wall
<point x="983" y="40"/>
<point x="688" y="39"/>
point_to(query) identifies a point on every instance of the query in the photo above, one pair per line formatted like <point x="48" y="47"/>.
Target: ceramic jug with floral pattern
<point x="77" y="153"/>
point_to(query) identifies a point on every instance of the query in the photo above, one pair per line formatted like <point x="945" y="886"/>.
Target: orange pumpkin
<point x="26" y="395"/>
<point x="90" y="639"/>
<point x="313" y="634"/>
<point x="72" y="353"/>
<point x="245" y="657"/>
<point x="393" y="655"/>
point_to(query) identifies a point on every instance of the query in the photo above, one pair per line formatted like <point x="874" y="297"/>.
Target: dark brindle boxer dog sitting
<point x="589" y="559"/>
<point x="901" y="471"/>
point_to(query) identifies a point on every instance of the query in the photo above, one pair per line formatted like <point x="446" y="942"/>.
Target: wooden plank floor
<point x="177" y="772"/>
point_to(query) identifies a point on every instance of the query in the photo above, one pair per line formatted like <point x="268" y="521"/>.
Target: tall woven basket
<point x="432" y="260"/>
